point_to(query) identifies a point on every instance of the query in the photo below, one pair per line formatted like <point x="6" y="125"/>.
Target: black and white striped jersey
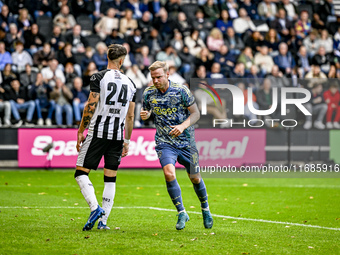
<point x="116" y="92"/>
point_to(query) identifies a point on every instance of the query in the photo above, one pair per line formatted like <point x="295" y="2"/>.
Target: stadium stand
<point x="189" y="34"/>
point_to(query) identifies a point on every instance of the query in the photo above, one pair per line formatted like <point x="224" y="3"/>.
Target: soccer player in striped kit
<point x="109" y="110"/>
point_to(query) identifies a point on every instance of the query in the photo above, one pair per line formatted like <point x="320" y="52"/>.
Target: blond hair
<point x="159" y="64"/>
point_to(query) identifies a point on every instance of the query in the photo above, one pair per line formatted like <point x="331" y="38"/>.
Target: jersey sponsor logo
<point x="164" y="111"/>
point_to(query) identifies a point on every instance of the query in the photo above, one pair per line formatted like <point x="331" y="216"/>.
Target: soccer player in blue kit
<point x="175" y="113"/>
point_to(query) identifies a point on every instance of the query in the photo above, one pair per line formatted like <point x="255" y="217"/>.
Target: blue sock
<point x="175" y="194"/>
<point x="201" y="193"/>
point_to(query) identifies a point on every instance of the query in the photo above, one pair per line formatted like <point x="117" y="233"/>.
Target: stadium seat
<point x="45" y="26"/>
<point x="86" y="24"/>
<point x="190" y="11"/>
<point x="93" y="40"/>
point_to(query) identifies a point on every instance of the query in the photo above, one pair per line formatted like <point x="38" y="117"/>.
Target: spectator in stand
<point x="255" y="41"/>
<point x="5" y="18"/>
<point x="20" y="58"/>
<point x="19" y="99"/>
<point x="284" y="60"/>
<point x="33" y="39"/>
<point x="80" y="96"/>
<point x="62" y="97"/>
<point x="211" y="11"/>
<point x="105" y="25"/>
<point x="163" y="25"/>
<point x="290" y="8"/>
<point x="303" y="61"/>
<point x="114" y="38"/>
<point x="188" y="63"/>
<point x="194" y="43"/>
<point x="170" y="56"/>
<point x="81" y="8"/>
<point x="177" y="42"/>
<point x="100" y="56"/>
<point x="267" y="10"/>
<point x="272" y="41"/>
<point x="263" y="60"/>
<point x="155" y="42"/>
<point x="232" y="7"/>
<point x="40" y="93"/>
<point x="13" y="36"/>
<point x="243" y="22"/>
<point x="225" y="58"/>
<point x="234" y="42"/>
<point x="326" y="41"/>
<point x="43" y="8"/>
<point x="312" y="43"/>
<point x="317" y="107"/>
<point x="70" y="74"/>
<point x="6" y="107"/>
<point x="128" y="24"/>
<point x="66" y="56"/>
<point x="64" y="19"/>
<point x="145" y="23"/>
<point x="324" y="60"/>
<point x="247" y="58"/>
<point x="24" y="21"/>
<point x="98" y="8"/>
<point x="251" y="9"/>
<point x="316" y="72"/>
<point x="8" y="75"/>
<point x="5" y="56"/>
<point x="129" y="58"/>
<point x="144" y="59"/>
<point x="88" y="57"/>
<point x="43" y="56"/>
<point x="28" y="77"/>
<point x="52" y="72"/>
<point x="172" y="7"/>
<point x="89" y="71"/>
<point x="224" y="22"/>
<point x="136" y="41"/>
<point x="77" y="41"/>
<point x="215" y="72"/>
<point x="175" y="76"/>
<point x="201" y="24"/>
<point x="264" y="98"/>
<point x="317" y="23"/>
<point x="182" y="24"/>
<point x="334" y="26"/>
<point x="250" y="116"/>
<point x="282" y="24"/>
<point x="215" y="40"/>
<point x="200" y="72"/>
<point x="237" y="72"/>
<point x="57" y="40"/>
<point x="332" y="99"/>
<point x="254" y="77"/>
<point x="303" y="25"/>
<point x="206" y="58"/>
<point x="277" y="78"/>
<point x="139" y="79"/>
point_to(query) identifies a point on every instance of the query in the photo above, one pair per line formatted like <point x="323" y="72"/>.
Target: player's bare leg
<point x="108" y="196"/>
<point x="174" y="191"/>
<point x="86" y="188"/>
<point x="202" y="195"/>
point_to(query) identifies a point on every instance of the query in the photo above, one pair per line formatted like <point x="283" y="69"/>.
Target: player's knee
<point x="195" y="180"/>
<point x="169" y="176"/>
<point x="79" y="173"/>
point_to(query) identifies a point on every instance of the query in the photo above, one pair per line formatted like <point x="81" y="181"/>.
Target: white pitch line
<point x="172" y="210"/>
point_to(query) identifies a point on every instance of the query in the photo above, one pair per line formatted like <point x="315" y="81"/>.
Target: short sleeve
<point x="94" y="84"/>
<point x="188" y="97"/>
<point x="146" y="104"/>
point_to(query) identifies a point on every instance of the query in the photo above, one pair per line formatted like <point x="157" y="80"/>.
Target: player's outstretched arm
<point x="89" y="109"/>
<point x="191" y="120"/>
<point x="130" y="116"/>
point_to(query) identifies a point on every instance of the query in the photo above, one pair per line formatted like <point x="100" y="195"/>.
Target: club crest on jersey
<point x="173" y="100"/>
<point x="93" y="77"/>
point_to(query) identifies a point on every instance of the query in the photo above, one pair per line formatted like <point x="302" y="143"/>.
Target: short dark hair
<point x="116" y="51"/>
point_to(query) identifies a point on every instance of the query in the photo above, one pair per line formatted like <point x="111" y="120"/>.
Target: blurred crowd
<point x="49" y="49"/>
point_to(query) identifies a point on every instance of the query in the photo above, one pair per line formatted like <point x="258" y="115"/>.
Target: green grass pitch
<point x="43" y="212"/>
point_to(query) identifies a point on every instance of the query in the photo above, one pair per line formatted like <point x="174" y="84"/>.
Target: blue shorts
<point x="188" y="156"/>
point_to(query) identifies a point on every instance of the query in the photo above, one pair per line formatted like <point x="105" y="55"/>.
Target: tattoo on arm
<point x="86" y="121"/>
<point x="89" y="110"/>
